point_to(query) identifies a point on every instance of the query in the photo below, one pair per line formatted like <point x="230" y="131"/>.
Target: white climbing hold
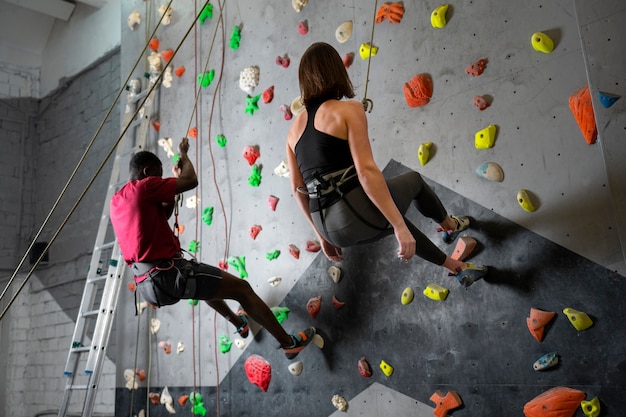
<point x="340" y="403"/>
<point x="134" y="19"/>
<point x="155" y="325"/>
<point x="335" y="273"/>
<point x="295" y="368"/>
<point x="274" y="281"/>
<point x="240" y="343"/>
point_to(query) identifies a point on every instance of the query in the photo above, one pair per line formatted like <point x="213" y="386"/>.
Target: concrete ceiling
<point x="26" y="25"/>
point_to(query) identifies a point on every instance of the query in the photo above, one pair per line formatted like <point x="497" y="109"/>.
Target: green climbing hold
<point x="235" y="37"/>
<point x="255" y="176"/>
<point x="207" y="13"/>
<point x="225" y="344"/>
<point x="272" y="255"/>
<point x="252" y="104"/>
<point x="221" y="140"/>
<point x="207" y="215"/>
<point x="194" y="246"/>
<point x="281" y="313"/>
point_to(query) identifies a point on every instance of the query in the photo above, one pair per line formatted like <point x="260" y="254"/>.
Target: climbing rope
<point x="366" y="101"/>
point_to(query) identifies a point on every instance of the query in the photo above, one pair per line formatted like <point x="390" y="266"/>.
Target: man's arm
<point x="186" y="178"/>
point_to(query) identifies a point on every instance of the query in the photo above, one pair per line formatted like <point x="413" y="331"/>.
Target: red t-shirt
<point x="140" y="221"/>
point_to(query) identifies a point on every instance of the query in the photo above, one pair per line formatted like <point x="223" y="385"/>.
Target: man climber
<point x="139" y="213"/>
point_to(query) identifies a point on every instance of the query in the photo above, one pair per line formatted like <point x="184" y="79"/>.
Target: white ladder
<point x="99" y="301"/>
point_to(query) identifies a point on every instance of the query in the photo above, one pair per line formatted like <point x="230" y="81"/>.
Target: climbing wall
<point x="544" y="258"/>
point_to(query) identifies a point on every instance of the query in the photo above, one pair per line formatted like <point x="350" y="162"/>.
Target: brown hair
<point x="322" y="75"/>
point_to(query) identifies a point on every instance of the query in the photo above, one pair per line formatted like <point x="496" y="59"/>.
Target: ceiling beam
<point x="58" y="9"/>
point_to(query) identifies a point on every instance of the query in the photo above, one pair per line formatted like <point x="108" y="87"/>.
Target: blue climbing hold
<point x="607" y="100"/>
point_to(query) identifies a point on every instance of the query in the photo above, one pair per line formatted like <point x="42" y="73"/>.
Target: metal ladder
<point x="99" y="301"/>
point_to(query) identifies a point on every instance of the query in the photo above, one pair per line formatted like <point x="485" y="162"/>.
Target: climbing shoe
<point x="470" y="274"/>
<point x="448" y="236"/>
<point x="244" y="329"/>
<point x="300" y="341"/>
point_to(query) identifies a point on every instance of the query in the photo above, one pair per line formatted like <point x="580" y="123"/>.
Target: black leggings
<point x="342" y="227"/>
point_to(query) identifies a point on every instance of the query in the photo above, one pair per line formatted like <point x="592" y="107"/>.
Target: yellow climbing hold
<point x="542" y="42"/>
<point x="591" y="408"/>
<point x="438" y="16"/>
<point x="579" y="319"/>
<point x="423" y="153"/>
<point x="436" y="292"/>
<point x="386" y="368"/>
<point x="524" y="200"/>
<point x="407" y="295"/>
<point x="367" y="50"/>
<point x="486" y="138"/>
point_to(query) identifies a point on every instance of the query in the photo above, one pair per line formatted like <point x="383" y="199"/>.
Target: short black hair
<point x="142" y="159"/>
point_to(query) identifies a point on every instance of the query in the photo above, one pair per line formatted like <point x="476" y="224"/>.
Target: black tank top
<point x="318" y="152"/>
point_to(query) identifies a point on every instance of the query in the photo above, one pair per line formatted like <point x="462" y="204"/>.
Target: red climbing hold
<point x="283" y="61"/>
<point x="255" y="230"/>
<point x="154" y="44"/>
<point x="476" y="68"/>
<point x="259" y="371"/>
<point x="580" y="105"/>
<point x="154" y="397"/>
<point x="251" y="154"/>
<point x="286" y="109"/>
<point x="312" y="246"/>
<point x="156" y="125"/>
<point x="179" y="71"/>
<point x="348" y="59"/>
<point x="364" y="368"/>
<point x="167" y="55"/>
<point x="294" y="251"/>
<point x="268" y="95"/>
<point x="314" y="305"/>
<point x="222" y="264"/>
<point x="555" y="402"/>
<point x="303" y="27"/>
<point x="337" y="304"/>
<point x="480" y="102"/>
<point x="193" y="132"/>
<point x="272" y="201"/>
<point x="418" y="90"/>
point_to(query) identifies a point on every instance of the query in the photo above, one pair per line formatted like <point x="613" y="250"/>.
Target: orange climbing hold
<point x="537" y="322"/>
<point x="464" y="248"/>
<point x="418" y="90"/>
<point x="182" y="400"/>
<point x="192" y="132"/>
<point x="476" y="68"/>
<point x="167" y="55"/>
<point x="390" y="11"/>
<point x="314" y="305"/>
<point x="156" y="125"/>
<point x="179" y="71"/>
<point x="445" y="403"/>
<point x="154" y="44"/>
<point x="582" y="109"/>
<point x="556" y="402"/>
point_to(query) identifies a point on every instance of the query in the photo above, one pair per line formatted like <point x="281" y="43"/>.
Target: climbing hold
<point x="154" y="44"/>
<point x="131" y="381"/>
<point x="480" y="102"/>
<point x="343" y="32"/>
<point x="180" y="348"/>
<point x="167" y="400"/>
<point x="283" y="61"/>
<point x="312" y="246"/>
<point x="154" y="398"/>
<point x="364" y="367"/>
<point x="393" y="12"/>
<point x="546" y="361"/>
<point x="335" y="273"/>
<point x="239" y="263"/>
<point x="166" y="16"/>
<point x="272" y="201"/>
<point x="340" y="403"/>
<point x="476" y="68"/>
<point x="222" y="264"/>
<point x="490" y="171"/>
<point x="192" y="302"/>
<point x="303" y="27"/>
<point x="582" y="109"/>
<point x="255" y="230"/>
<point x="167" y="55"/>
<point x="255" y="176"/>
<point x="205" y="78"/>
<point x="281" y="313"/>
<point x="485" y="138"/>
<point x="423" y="153"/>
<point x="251" y="104"/>
<point x="132" y="286"/>
<point x="579" y="319"/>
<point x="313" y="305"/>
<point x="591" y="408"/>
<point x="443" y="404"/>
<point x="268" y="95"/>
<point x="182" y="400"/>
<point x="206" y="13"/>
<point x="240" y="343"/>
<point x="156" y="125"/>
<point x="166" y="346"/>
<point x="235" y="38"/>
<point x="274" y="281"/>
<point x="538" y="320"/>
<point x="294" y="251"/>
<point x="192" y="133"/>
<point x="192" y="201"/>
<point x="555" y="402"/>
<point x="407" y="296"/>
<point x="386" y="368"/>
<point x="607" y="100"/>
<point x="221" y="140"/>
<point x="337" y="304"/>
<point x="348" y="59"/>
<point x="207" y="215"/>
<point x="180" y="229"/>
<point x="143" y="305"/>
<point x="194" y="246"/>
<point x="141" y="374"/>
<point x="134" y="19"/>
<point x="225" y="344"/>
<point x="167" y="77"/>
<point x="436" y="292"/>
<point x="168" y="146"/>
<point x="295" y="368"/>
<point x="524" y="201"/>
<point x="249" y="79"/>
<point x="270" y="256"/>
<point x="282" y="170"/>
<point x="287" y="113"/>
<point x="418" y="90"/>
<point x="366" y="50"/>
<point x="197" y="408"/>
<point x="438" y="16"/>
<point x="155" y="325"/>
<point x="251" y="154"/>
<point x="259" y="371"/>
<point x="179" y="71"/>
<point x="464" y="247"/>
<point x="318" y="341"/>
<point x="298" y="5"/>
<point x="542" y="42"/>
<point x="296" y="106"/>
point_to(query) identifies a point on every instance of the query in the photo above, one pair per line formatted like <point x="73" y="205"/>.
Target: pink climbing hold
<point x="286" y="109"/>
<point x="251" y="154"/>
<point x="476" y="68"/>
<point x="166" y="346"/>
<point x="268" y="95"/>
<point x="337" y="304"/>
<point x="480" y="102"/>
<point x="222" y="264"/>
<point x="259" y="371"/>
<point x="312" y="246"/>
<point x="314" y="305"/>
<point x="294" y="251"/>
<point x="303" y="27"/>
<point x="272" y="201"/>
<point x="348" y="59"/>
<point x="283" y="61"/>
<point x="255" y="230"/>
